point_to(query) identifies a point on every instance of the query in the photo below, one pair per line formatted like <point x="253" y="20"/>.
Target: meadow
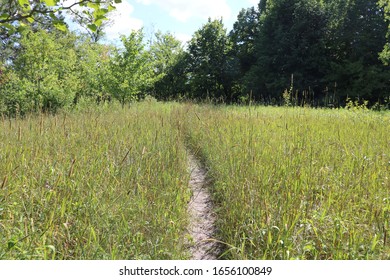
<point x="297" y="183"/>
<point x="112" y="183"/>
<point x="101" y="184"/>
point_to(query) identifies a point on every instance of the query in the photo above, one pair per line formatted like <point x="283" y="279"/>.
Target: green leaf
<point x="111" y="8"/>
<point x="98" y="22"/>
<point x="53" y="16"/>
<point x="8" y="25"/>
<point x="86" y="12"/>
<point x="11" y="244"/>
<point x="99" y="12"/>
<point x="60" y="26"/>
<point x="30" y="19"/>
<point x="100" y="17"/>
<point x="92" y="27"/>
<point x="4" y="16"/>
<point x="50" y="3"/>
<point x="25" y="4"/>
<point x="118" y="1"/>
<point x="22" y="26"/>
<point x="94" y="6"/>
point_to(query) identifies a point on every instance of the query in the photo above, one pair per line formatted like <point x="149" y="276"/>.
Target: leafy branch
<point x="15" y="12"/>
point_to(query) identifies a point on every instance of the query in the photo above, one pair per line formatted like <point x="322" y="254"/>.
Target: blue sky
<point x="180" y="17"/>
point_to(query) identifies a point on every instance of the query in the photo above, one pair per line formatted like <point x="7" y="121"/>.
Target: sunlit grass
<point x="94" y="185"/>
<point x="112" y="183"/>
<point x="297" y="183"/>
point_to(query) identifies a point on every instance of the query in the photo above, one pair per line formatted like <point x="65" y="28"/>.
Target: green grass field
<point x="298" y="183"/>
<point x="94" y="185"/>
<point x="288" y="183"/>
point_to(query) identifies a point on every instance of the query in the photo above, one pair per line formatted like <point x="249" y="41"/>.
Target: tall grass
<point x="297" y="183"/>
<point x="112" y="183"/>
<point x="102" y="184"/>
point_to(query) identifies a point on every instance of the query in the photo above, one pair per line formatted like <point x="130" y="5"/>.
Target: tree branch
<point x="37" y="10"/>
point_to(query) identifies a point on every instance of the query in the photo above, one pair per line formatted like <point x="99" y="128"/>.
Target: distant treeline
<point x="314" y="52"/>
<point x="297" y="52"/>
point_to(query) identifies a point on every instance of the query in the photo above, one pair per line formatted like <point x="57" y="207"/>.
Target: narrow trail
<point x="200" y="208"/>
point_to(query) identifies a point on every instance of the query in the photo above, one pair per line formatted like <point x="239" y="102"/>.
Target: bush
<point x="14" y="97"/>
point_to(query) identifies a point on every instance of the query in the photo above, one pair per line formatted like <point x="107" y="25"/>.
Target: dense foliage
<point x="15" y="14"/>
<point x="312" y="52"/>
<point x="319" y="52"/>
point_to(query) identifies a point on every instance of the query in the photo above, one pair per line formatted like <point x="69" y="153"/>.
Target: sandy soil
<point x="201" y="212"/>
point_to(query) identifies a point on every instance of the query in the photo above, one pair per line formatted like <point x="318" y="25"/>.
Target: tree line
<point x="315" y="52"/>
<point x="297" y="52"/>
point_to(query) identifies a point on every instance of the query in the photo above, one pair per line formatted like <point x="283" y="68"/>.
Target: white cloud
<point x="183" y="37"/>
<point x="253" y="2"/>
<point x="145" y="2"/>
<point x="183" y="10"/>
<point x="123" y="21"/>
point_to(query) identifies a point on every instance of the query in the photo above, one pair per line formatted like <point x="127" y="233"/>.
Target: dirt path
<point x="200" y="208"/>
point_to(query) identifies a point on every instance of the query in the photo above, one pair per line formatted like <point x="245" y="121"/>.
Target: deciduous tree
<point x="130" y="69"/>
<point x="14" y="14"/>
<point x="385" y="54"/>
<point x="290" y="42"/>
<point x="46" y="70"/>
<point x="169" y="66"/>
<point x="208" y="50"/>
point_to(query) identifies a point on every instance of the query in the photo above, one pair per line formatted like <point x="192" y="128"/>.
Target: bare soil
<point x="203" y="218"/>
